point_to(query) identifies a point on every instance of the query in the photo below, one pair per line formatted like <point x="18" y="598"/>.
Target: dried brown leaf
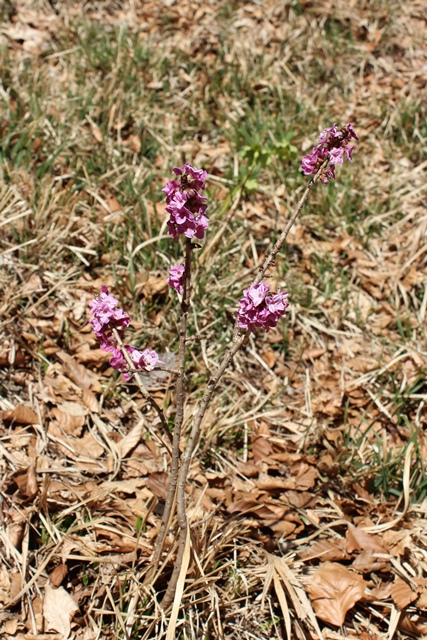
<point x="271" y="483"/>
<point x="20" y="415"/>
<point x="58" y="610"/>
<point x="402" y="594"/>
<point x="326" y="550"/>
<point x="312" y="354"/>
<point x="58" y="574"/>
<point x="158" y="483"/>
<point x="134" y="143"/>
<point x="357" y="539"/>
<point x="131" y="440"/>
<point x="306" y="480"/>
<point x="299" y="499"/>
<point x="78" y="373"/>
<point x="72" y="424"/>
<point x="411" y="627"/>
<point x="90" y="400"/>
<point x="334" y="590"/>
<point x="97" y="356"/>
<point x="26" y="480"/>
<point x="261" y="449"/>
<point x="15" y="585"/>
<point x="113" y="203"/>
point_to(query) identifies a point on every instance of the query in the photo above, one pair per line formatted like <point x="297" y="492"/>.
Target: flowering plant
<point x="108" y="323"/>
<point x="185" y="204"/>
<point x="334" y="145"/>
<point x="258" y="308"/>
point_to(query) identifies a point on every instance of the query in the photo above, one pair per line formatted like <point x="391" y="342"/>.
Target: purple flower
<point x="185" y="204"/>
<point x="257" y="309"/>
<point x="146" y="359"/>
<point x="194" y="177"/>
<point x="176" y="278"/>
<point x="336" y="155"/>
<point x="333" y="144"/>
<point x="107" y="316"/>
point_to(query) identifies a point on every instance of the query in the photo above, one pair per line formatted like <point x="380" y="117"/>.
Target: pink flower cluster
<point x="333" y="144"/>
<point x="185" y="204"/>
<point x="107" y="315"/>
<point x="176" y="278"/>
<point x="257" y="309"/>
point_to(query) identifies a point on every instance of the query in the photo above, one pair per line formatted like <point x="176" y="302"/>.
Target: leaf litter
<point x="295" y="513"/>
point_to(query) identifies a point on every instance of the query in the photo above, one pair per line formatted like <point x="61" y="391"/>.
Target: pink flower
<point x="333" y="144"/>
<point x="185" y="204"/>
<point x="259" y="310"/>
<point x="336" y="155"/>
<point x="176" y="278"/>
<point x="107" y="316"/>
<point x="146" y="359"/>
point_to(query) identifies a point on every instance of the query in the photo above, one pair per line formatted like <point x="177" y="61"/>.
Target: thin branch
<point x="146" y="394"/>
<point x="179" y="418"/>
<point x="239" y="337"/>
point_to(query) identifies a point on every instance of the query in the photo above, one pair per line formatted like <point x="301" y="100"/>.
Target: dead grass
<point x="304" y="447"/>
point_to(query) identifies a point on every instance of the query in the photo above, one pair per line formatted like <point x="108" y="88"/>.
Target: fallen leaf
<point x="326" y="550"/>
<point x="78" y="373"/>
<point x="334" y="590"/>
<point x="312" y="354"/>
<point x="90" y="400"/>
<point x="10" y="626"/>
<point x="20" y="415"/>
<point x="97" y="356"/>
<point x="4" y="584"/>
<point x="261" y="449"/>
<point x="410" y="627"/>
<point x="58" y="574"/>
<point x="15" y="585"/>
<point x="58" y="610"/>
<point x="131" y="440"/>
<point x="134" y="143"/>
<point x="27" y="481"/>
<point x="248" y="469"/>
<point x="158" y="483"/>
<point x="402" y="594"/>
<point x="299" y="499"/>
<point x="97" y="134"/>
<point x="306" y="480"/>
<point x="358" y="540"/>
<point x="72" y="424"/>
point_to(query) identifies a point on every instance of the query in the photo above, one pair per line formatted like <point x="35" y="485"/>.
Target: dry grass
<point x="310" y="430"/>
